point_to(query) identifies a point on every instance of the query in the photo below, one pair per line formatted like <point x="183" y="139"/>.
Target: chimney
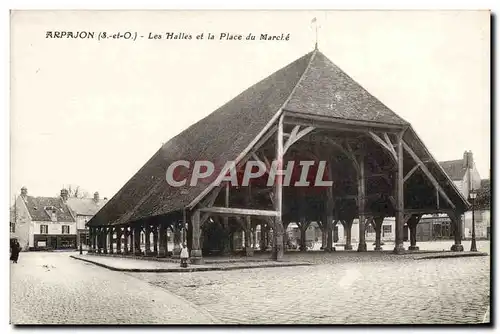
<point x="64" y="195"/>
<point x="105" y="198"/>
<point x="466" y="156"/>
<point x="96" y="196"/>
<point x="24" y="192"/>
<point x="470" y="160"/>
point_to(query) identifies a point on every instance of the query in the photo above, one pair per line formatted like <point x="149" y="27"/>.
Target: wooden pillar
<point x="125" y="239"/>
<point x="196" y="253"/>
<point x="456" y="220"/>
<point x="378" y="231"/>
<point x="323" y="234"/>
<point x="399" y="184"/>
<point x="248" y="236"/>
<point x="105" y="234"/>
<point x="285" y="235"/>
<point x="263" y="233"/>
<point x="162" y="231"/>
<point x="277" y="253"/>
<point x="254" y="237"/>
<point x="155" y="240"/>
<point x="330" y="203"/>
<point x="347" y="228"/>
<point x="91" y="236"/>
<point x="412" y="227"/>
<point x="176" y="226"/>
<point x="111" y="243"/>
<point x="147" y="239"/>
<point x="362" y="204"/>
<point x="137" y="241"/>
<point x="119" y="240"/>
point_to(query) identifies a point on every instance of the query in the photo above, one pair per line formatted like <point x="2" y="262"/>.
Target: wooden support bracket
<point x="428" y="174"/>
<point x="388" y="146"/>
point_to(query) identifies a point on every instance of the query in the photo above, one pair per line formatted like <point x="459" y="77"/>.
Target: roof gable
<point x="326" y="90"/>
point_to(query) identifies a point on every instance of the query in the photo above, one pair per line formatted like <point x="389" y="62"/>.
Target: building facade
<point x="43" y="222"/>
<point x="83" y="209"/>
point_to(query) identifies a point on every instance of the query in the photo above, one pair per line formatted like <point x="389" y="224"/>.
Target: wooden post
<point x="105" y="240"/>
<point x="412" y="227"/>
<point x="177" y="239"/>
<point x="155" y="239"/>
<point x="362" y="203"/>
<point x="378" y="231"/>
<point x="125" y="240"/>
<point x="226" y="250"/>
<point x="347" y="228"/>
<point x="399" y="184"/>
<point x="456" y="220"/>
<point x="277" y="254"/>
<point x="147" y="239"/>
<point x="162" y="230"/>
<point x="118" y="239"/>
<point x="328" y="225"/>
<point x="196" y="254"/>
<point x="263" y="232"/>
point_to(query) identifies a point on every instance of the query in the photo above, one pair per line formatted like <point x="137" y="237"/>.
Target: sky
<point x="91" y="113"/>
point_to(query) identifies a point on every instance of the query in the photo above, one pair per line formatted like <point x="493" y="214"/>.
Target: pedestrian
<point x="14" y="251"/>
<point x="184" y="256"/>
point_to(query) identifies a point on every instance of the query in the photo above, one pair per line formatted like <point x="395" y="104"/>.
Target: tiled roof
<point x="36" y="208"/>
<point x="311" y="84"/>
<point x="454" y="168"/>
<point x="85" y="206"/>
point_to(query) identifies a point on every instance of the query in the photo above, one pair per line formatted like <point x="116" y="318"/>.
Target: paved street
<point x="343" y="287"/>
<point x="52" y="288"/>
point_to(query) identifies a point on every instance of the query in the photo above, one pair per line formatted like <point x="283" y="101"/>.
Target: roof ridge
<point x="276" y="116"/>
<point x="313" y="55"/>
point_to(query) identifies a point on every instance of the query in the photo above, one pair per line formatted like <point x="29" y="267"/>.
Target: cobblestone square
<point x="341" y="288"/>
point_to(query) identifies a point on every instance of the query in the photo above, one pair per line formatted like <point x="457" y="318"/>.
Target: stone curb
<point x="444" y="256"/>
<point x="191" y="269"/>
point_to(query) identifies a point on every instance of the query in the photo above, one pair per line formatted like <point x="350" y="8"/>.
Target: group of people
<point x="15" y="249"/>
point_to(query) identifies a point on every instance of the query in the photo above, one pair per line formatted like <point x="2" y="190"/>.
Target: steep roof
<point x="310" y="85"/>
<point x="454" y="168"/>
<point x="37" y="208"/>
<point x="85" y="206"/>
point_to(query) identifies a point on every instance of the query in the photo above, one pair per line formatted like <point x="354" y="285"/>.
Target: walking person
<point x="14" y="251"/>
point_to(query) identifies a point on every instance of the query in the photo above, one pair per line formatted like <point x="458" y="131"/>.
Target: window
<point x="44" y="229"/>
<point x="387" y="228"/>
<point x="65" y="229"/>
<point x="13" y="227"/>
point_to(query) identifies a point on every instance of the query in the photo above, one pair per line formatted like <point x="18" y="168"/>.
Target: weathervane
<point x="314" y="21"/>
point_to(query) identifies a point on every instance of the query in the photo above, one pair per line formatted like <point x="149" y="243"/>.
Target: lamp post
<point x="473" y="247"/>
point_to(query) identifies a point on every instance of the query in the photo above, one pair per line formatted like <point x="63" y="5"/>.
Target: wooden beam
<point x="389" y="143"/>
<point x="324" y="121"/>
<point x="389" y="149"/>
<point x="428" y="174"/>
<point x="352" y="156"/>
<point x="295" y="135"/>
<point x="217" y="210"/>
<point x="407" y="176"/>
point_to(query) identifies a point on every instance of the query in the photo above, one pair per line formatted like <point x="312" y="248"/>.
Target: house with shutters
<point x="43" y="222"/>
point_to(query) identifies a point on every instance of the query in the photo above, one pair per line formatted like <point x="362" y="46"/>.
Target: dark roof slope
<point x="36" y="208"/>
<point x="312" y="85"/>
<point x="219" y="137"/>
<point x="326" y="90"/>
<point x="454" y="168"/>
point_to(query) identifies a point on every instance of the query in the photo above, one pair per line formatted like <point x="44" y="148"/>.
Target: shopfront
<point x="47" y="241"/>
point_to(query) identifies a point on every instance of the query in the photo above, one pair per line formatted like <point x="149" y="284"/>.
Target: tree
<point x="483" y="199"/>
<point x="76" y="191"/>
